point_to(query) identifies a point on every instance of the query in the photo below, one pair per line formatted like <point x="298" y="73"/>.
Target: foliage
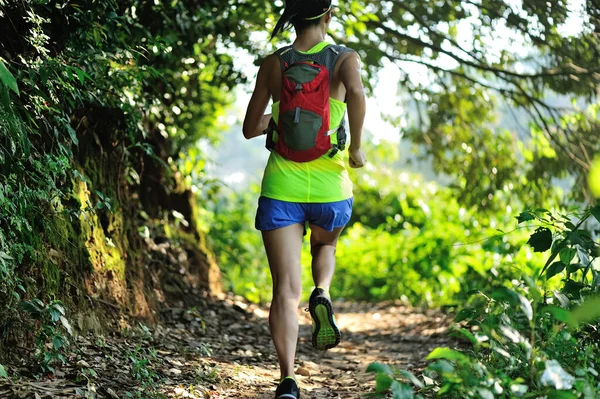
<point x="414" y="240"/>
<point x="407" y="239"/>
<point x="140" y="362"/>
<point x="99" y="102"/>
<point x="528" y="339"/>
<point x="462" y="61"/>
<point x="594" y="178"/>
<point x="52" y="332"/>
<point x="238" y="245"/>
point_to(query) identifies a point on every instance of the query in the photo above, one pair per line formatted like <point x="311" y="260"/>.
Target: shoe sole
<point x="326" y="335"/>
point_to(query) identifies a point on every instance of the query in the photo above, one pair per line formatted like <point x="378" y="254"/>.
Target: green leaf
<point x="30" y="307"/>
<point x="412" y="378"/>
<point x="485" y="393"/>
<point x="588" y="312"/>
<point x="467" y="334"/>
<point x="572" y="288"/>
<point x="446" y="353"/>
<point x="506" y="295"/>
<point x="72" y="134"/>
<point x="7" y="78"/>
<point x="463" y="314"/>
<point x="541" y="240"/>
<point x="594" y="183"/>
<point x="44" y="73"/>
<point x="82" y="75"/>
<point x="58" y="342"/>
<point x="524" y="217"/>
<point x="526" y="307"/>
<point x="596" y="212"/>
<point x="380" y="368"/>
<point x="54" y="314"/>
<point x="562" y="299"/>
<point x="558" y="313"/>
<point x="77" y="174"/>
<point x="441" y="366"/>
<point x="554" y="269"/>
<point x="383" y="382"/>
<point x="567" y="255"/>
<point x="57" y="305"/>
<point x="66" y="325"/>
<point x="402" y="391"/>
<point x="561" y="395"/>
<point x="3" y="373"/>
<point x="573" y="267"/>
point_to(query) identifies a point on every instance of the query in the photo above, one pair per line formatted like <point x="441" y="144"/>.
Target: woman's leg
<point x="283" y="248"/>
<point x="322" y="248"/>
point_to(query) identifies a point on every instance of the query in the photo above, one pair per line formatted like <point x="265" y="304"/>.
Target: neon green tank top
<point x="323" y="180"/>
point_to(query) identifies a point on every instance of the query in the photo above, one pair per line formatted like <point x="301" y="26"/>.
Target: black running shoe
<point x="287" y="389"/>
<point x="326" y="333"/>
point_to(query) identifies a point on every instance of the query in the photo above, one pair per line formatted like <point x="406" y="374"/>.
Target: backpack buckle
<point x="270" y="143"/>
<point x="341" y="136"/>
<point x="334" y="150"/>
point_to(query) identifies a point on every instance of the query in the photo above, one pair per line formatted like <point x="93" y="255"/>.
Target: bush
<point x="528" y="337"/>
<point x="239" y="246"/>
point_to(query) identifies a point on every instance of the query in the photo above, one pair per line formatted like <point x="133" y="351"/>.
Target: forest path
<point x="221" y="348"/>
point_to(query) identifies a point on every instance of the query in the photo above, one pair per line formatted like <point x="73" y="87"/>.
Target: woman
<point x="317" y="192"/>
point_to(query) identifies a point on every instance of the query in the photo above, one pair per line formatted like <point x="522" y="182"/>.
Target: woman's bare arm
<point x="357" y="107"/>
<point x="256" y="121"/>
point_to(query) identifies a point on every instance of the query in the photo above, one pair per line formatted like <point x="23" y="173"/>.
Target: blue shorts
<point x="274" y="214"/>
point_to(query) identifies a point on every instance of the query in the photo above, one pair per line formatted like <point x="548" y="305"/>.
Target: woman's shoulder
<point x="270" y="62"/>
<point x="343" y="47"/>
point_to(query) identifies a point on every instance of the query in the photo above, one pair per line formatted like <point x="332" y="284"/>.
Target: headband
<point x="319" y="16"/>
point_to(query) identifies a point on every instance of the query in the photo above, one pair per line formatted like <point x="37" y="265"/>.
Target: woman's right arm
<point x="256" y="121"/>
<point x="357" y="107"/>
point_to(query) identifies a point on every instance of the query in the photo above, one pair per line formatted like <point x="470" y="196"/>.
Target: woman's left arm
<point x="256" y="121"/>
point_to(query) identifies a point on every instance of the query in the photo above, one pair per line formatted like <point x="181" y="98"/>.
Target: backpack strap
<point x="328" y="57"/>
<point x="283" y="58"/>
<point x="341" y="135"/>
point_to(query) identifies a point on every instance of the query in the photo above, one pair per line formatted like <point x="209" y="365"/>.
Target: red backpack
<point x="303" y="133"/>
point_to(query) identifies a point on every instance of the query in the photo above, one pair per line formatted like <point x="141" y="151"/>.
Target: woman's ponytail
<point x="285" y="21"/>
<point x="299" y="13"/>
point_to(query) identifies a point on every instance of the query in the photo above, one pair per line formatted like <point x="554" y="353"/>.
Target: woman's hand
<point x="358" y="159"/>
<point x="264" y="123"/>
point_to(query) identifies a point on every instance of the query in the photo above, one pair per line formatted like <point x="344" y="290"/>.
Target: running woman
<point x="300" y="187"/>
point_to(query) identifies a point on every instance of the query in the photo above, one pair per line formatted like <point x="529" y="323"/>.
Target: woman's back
<point x="272" y="65"/>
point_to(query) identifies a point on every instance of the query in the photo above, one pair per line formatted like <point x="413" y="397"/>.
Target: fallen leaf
<point x="303" y="371"/>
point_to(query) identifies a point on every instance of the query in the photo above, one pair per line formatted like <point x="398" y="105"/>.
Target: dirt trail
<point x="222" y="349"/>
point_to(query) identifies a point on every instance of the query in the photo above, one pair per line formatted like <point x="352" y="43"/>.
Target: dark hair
<point x="301" y="14"/>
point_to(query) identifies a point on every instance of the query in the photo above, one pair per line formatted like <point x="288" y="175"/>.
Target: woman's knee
<point x="288" y="291"/>
<point x="319" y="248"/>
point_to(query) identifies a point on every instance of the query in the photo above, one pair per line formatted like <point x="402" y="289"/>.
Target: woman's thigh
<point x="284" y="247"/>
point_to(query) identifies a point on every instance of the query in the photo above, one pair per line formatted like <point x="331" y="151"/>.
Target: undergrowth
<point x="529" y="338"/>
